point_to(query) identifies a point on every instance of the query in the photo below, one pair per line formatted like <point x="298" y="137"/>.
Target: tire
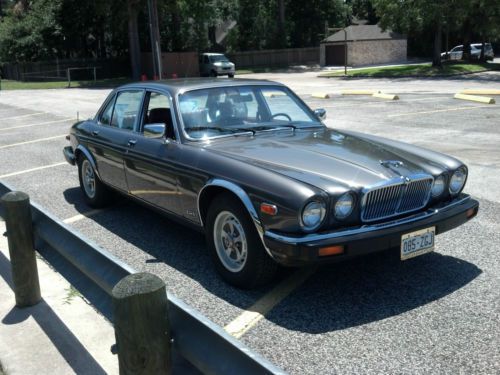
<point x="95" y="193"/>
<point x="213" y="73"/>
<point x="243" y="262"/>
<point x="231" y="75"/>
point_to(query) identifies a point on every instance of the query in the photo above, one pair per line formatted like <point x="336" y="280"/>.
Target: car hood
<point x="332" y="160"/>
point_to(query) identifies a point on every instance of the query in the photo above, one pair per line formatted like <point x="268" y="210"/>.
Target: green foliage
<point x="31" y="35"/>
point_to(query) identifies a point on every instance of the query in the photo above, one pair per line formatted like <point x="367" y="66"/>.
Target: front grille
<point x="396" y="199"/>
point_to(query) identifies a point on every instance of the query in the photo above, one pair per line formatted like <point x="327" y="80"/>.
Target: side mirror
<point x="320" y="113"/>
<point x="154" y="130"/>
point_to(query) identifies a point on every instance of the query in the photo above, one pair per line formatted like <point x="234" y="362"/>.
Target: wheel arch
<point x="218" y="186"/>
<point x="82" y="150"/>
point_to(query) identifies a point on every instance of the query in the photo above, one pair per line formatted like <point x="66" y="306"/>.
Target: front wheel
<point x="96" y="194"/>
<point x="231" y="75"/>
<point x="235" y="247"/>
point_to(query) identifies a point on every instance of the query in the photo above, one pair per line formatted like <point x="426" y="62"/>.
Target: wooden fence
<point x="275" y="57"/>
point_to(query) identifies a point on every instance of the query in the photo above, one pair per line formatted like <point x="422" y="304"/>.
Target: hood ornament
<point x="393" y="165"/>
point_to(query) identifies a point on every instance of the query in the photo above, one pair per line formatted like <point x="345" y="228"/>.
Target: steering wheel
<point x="282" y="114"/>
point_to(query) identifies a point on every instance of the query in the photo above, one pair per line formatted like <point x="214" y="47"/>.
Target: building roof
<point x="363" y="32"/>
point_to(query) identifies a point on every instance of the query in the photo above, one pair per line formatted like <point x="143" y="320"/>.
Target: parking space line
<point x="37" y="124"/>
<point x="33" y="141"/>
<point x="82" y="216"/>
<point x="28" y="115"/>
<point x="248" y="319"/>
<point x="32" y="170"/>
<point x="439" y="110"/>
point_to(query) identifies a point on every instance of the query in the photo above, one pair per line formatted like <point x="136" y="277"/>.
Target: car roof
<point x="186" y="84"/>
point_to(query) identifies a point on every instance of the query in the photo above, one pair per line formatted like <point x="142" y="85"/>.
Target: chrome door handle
<point x="131" y="142"/>
<point x="95" y="132"/>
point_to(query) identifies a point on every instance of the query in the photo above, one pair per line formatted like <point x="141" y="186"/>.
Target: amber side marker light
<point x="471" y="212"/>
<point x="269" y="209"/>
<point x="331" y="250"/>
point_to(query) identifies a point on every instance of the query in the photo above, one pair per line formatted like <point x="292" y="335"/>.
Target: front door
<point x="152" y="163"/>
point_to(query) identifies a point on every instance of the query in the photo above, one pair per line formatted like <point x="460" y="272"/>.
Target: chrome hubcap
<point x="230" y="241"/>
<point x="88" y="179"/>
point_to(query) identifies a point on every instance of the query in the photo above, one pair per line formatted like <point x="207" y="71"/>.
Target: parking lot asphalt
<point x="439" y="313"/>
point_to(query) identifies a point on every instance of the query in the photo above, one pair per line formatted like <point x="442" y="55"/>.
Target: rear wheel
<point x="235" y="246"/>
<point x="213" y="73"/>
<point x="96" y="194"/>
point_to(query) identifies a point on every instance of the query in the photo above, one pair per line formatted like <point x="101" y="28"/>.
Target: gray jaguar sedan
<point x="250" y="165"/>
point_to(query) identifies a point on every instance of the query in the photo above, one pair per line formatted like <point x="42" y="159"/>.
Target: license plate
<point x="417" y="243"/>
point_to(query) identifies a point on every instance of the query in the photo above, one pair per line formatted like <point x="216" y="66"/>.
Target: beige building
<point x="366" y="44"/>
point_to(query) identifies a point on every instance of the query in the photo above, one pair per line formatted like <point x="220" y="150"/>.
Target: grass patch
<point x="100" y="83"/>
<point x="420" y="70"/>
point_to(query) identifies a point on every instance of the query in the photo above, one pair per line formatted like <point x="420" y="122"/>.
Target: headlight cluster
<point x="438" y="186"/>
<point x="455" y="185"/>
<point x="457" y="180"/>
<point x="344" y="206"/>
<point x="313" y="214"/>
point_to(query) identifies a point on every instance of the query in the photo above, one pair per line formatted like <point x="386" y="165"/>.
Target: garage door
<point x="334" y="55"/>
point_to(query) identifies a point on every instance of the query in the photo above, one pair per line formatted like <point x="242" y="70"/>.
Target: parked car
<point x="456" y="53"/>
<point x="215" y="64"/>
<point x="255" y="169"/>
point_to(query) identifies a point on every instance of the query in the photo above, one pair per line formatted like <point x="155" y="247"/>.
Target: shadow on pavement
<point x="370" y="289"/>
<point x="75" y="354"/>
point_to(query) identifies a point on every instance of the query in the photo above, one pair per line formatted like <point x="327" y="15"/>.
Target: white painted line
<point x="440" y="110"/>
<point x="37" y="124"/>
<point x="32" y="170"/>
<point x="33" y="141"/>
<point x="22" y="116"/>
<point x="79" y="217"/>
<point x="259" y="309"/>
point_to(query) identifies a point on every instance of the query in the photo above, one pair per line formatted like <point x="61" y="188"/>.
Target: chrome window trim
<point x="365" y="228"/>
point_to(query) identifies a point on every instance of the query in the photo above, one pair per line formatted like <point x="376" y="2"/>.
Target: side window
<point x="127" y="107"/>
<point x="106" y="114"/>
<point x="158" y="112"/>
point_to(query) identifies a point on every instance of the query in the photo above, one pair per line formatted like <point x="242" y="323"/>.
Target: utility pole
<point x="155" y="38"/>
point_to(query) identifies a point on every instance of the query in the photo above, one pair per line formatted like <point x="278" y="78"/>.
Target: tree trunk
<point x="133" y="39"/>
<point x="466" y="55"/>
<point x="281" y="37"/>
<point x="176" y="25"/>
<point x="436" y="58"/>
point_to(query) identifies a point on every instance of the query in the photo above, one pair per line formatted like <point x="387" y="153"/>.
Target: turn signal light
<point x="331" y="250"/>
<point x="269" y="209"/>
<point x="471" y="212"/>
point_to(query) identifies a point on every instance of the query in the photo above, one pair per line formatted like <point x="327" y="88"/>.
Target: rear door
<point x="110" y="138"/>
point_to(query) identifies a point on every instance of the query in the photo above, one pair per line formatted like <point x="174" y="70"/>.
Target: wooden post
<point x="142" y="329"/>
<point x="22" y="255"/>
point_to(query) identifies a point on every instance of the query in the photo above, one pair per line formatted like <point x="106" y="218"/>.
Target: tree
<point x="417" y="15"/>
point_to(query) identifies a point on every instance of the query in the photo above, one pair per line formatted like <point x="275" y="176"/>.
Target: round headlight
<point x="313" y="214"/>
<point x="457" y="181"/>
<point x="438" y="186"/>
<point x="344" y="206"/>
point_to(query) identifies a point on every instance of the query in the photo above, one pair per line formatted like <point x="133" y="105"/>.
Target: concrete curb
<point x="320" y="95"/>
<point x="381" y="95"/>
<point x="475" y="98"/>
<point x="62" y="334"/>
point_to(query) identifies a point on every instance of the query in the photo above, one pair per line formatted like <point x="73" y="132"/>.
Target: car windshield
<point x="226" y="111"/>
<point x="217" y="58"/>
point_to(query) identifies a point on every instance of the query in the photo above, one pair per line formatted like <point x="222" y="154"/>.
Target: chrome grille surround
<point x="396" y="197"/>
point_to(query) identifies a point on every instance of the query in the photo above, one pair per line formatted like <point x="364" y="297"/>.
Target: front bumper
<point x="302" y="250"/>
<point x="69" y="155"/>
